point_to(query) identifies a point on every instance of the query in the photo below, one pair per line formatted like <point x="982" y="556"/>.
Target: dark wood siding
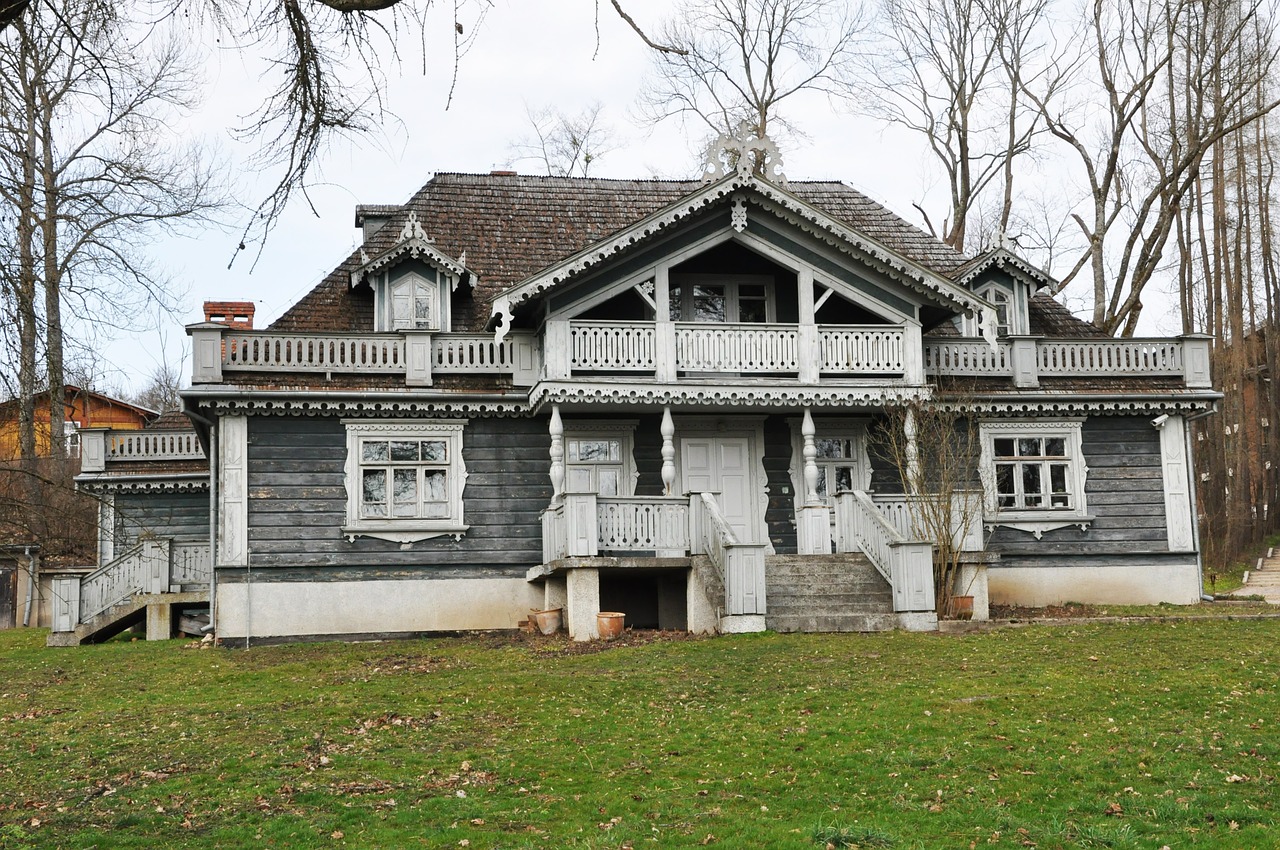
<point x="780" y="516"/>
<point x="298" y="499"/>
<point x="1124" y="491"/>
<point x="184" y="517"/>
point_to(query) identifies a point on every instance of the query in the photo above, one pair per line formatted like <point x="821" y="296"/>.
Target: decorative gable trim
<point x="415" y="243"/>
<point x="765" y="195"/>
<point x="1004" y="259"/>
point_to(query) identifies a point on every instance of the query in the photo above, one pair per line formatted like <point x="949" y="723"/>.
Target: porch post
<point x="814" y="529"/>
<point x="668" y="429"/>
<point x="664" y="345"/>
<point x="557" y="454"/>
<point x="807" y="333"/>
<point x="913" y="453"/>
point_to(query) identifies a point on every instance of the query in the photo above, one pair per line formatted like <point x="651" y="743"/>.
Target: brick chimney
<point x="237" y="315"/>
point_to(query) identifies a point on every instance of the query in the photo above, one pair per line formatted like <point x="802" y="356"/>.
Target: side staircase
<point x="157" y="582"/>
<point x="827" y="593"/>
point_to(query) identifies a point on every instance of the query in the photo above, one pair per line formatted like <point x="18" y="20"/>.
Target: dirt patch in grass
<point x="560" y="644"/>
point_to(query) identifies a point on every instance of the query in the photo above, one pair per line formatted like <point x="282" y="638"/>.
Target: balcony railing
<point x="1026" y="359"/>
<point x="101" y="446"/>
<point x="667" y="350"/>
<point x="417" y="355"/>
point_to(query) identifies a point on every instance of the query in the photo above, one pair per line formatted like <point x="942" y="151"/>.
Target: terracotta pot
<point x="609" y="624"/>
<point x="548" y="621"/>
<point x="962" y="607"/>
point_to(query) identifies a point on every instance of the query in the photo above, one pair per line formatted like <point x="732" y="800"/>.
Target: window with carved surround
<point x="1034" y="475"/>
<point x="1010" y="319"/>
<point x="404" y="478"/>
<point x="841" y="461"/>
<point x="598" y="459"/>
<point x="411" y="301"/>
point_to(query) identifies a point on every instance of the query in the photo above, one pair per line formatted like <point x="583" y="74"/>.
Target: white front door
<point x="723" y="466"/>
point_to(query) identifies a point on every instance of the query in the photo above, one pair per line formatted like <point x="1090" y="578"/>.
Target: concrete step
<point x="831" y="623"/>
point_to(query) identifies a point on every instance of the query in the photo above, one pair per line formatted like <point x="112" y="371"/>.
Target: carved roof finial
<point x="743" y="151"/>
<point x="413" y="229"/>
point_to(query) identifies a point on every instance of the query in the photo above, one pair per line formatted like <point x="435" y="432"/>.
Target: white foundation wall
<point x="296" y="609"/>
<point x="1118" y="585"/>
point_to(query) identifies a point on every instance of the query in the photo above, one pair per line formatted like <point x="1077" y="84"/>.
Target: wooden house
<point x="655" y="397"/>
<point x="84" y="409"/>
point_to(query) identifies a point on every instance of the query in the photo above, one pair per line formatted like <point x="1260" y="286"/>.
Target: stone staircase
<point x="826" y="593"/>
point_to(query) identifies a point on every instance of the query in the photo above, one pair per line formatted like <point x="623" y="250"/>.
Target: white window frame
<point x="1015" y="303"/>
<point x="854" y="430"/>
<point x="731" y="284"/>
<point x="71" y="438"/>
<point x="623" y="432"/>
<point x="405" y="529"/>
<point x="1036" y="520"/>
<point x="435" y="293"/>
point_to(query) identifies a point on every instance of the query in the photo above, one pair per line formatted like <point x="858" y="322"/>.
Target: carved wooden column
<point x="668" y="452"/>
<point x="809" y="350"/>
<point x="814" y="527"/>
<point x="557" y="454"/>
<point x="911" y="485"/>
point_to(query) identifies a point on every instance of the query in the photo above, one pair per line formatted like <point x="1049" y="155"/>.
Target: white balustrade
<point x="905" y="563"/>
<point x="268" y="352"/>
<point x="642" y="523"/>
<point x="1109" y="357"/>
<point x="861" y="349"/>
<point x="741" y="565"/>
<point x="190" y="563"/>
<point x="737" y="348"/>
<point x="612" y="347"/>
<point x="153" y="445"/>
<point x="965" y="517"/>
<point x="112" y="583"/>
<point x="966" y="357"/>
<point x="472" y="353"/>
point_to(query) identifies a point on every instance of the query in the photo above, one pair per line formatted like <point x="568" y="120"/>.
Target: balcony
<point x="100" y="447"/>
<point x="666" y="351"/>
<point x="1027" y="359"/>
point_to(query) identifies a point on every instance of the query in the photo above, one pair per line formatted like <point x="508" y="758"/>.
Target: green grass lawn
<point x="1124" y="736"/>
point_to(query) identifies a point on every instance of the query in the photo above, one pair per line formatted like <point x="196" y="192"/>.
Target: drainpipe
<point x="1195" y="500"/>
<point x="31" y="585"/>
<point x="213" y="511"/>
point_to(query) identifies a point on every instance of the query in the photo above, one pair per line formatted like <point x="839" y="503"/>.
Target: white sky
<point x="529" y="52"/>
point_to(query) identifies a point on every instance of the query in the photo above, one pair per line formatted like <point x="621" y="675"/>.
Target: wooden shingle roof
<point x="511" y="226"/>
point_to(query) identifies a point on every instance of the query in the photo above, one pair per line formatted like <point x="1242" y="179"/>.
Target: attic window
<point x="1009" y="319"/>
<point x="414" y="304"/>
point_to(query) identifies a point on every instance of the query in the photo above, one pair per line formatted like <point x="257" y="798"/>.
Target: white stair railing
<point x="740" y="565"/>
<point x="155" y="565"/>
<point x="906" y="564"/>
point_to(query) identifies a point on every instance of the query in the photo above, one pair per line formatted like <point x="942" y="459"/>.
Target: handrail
<point x="740" y="565"/>
<point x="153" y="445"/>
<point x="906" y="564"/>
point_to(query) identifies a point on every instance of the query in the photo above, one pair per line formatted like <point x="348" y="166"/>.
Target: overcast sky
<point x="529" y="53"/>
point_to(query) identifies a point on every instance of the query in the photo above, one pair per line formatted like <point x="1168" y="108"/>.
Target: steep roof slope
<point x="511" y="226"/>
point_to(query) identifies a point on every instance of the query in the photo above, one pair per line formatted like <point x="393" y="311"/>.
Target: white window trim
<point x="384" y="306"/>
<point x="407" y="529"/>
<point x="851" y="429"/>
<point x="1017" y="309"/>
<point x="1036" y="521"/>
<point x="621" y="430"/>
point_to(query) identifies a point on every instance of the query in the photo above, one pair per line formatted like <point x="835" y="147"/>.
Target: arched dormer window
<point x="412" y="302"/>
<point x="1010" y="317"/>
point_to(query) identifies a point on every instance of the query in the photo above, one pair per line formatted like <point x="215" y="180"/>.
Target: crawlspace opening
<point x="651" y="599"/>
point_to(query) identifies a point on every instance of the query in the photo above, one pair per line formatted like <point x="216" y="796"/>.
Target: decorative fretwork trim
<point x="148" y="485"/>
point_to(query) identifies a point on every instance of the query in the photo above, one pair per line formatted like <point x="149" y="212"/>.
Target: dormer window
<point x="411" y="302"/>
<point x="1000" y="299"/>
<point x="1010" y="307"/>
<point x="414" y="304"/>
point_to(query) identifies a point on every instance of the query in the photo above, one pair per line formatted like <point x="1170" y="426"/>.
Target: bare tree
<point x="739" y="60"/>
<point x="1132" y="110"/>
<point x="88" y="172"/>
<point x="949" y="72"/>
<point x="161" y="391"/>
<point x="564" y="145"/>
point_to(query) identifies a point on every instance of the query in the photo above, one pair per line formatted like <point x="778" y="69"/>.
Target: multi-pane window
<point x="414" y="304"/>
<point x="837" y="464"/>
<point x="717" y="299"/>
<point x="404" y="478"/>
<point x="1032" y="473"/>
<point x="594" y="465"/>
<point x="1000" y="299"/>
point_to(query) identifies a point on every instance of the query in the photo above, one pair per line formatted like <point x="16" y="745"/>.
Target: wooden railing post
<point x="155" y="559"/>
<point x="556" y="350"/>
<point x="912" y="354"/>
<point x="527" y="364"/>
<point x="418" y="354"/>
<point x="93" y="449"/>
<point x="1024" y="360"/>
<point x="580" y="523"/>
<point x="1195" y="360"/>
<point x="206" y="352"/>
<point x="66" y="603"/>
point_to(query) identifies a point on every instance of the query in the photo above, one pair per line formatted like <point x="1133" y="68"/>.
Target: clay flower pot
<point x="548" y="621"/>
<point x="962" y="607"/>
<point x="609" y="624"/>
